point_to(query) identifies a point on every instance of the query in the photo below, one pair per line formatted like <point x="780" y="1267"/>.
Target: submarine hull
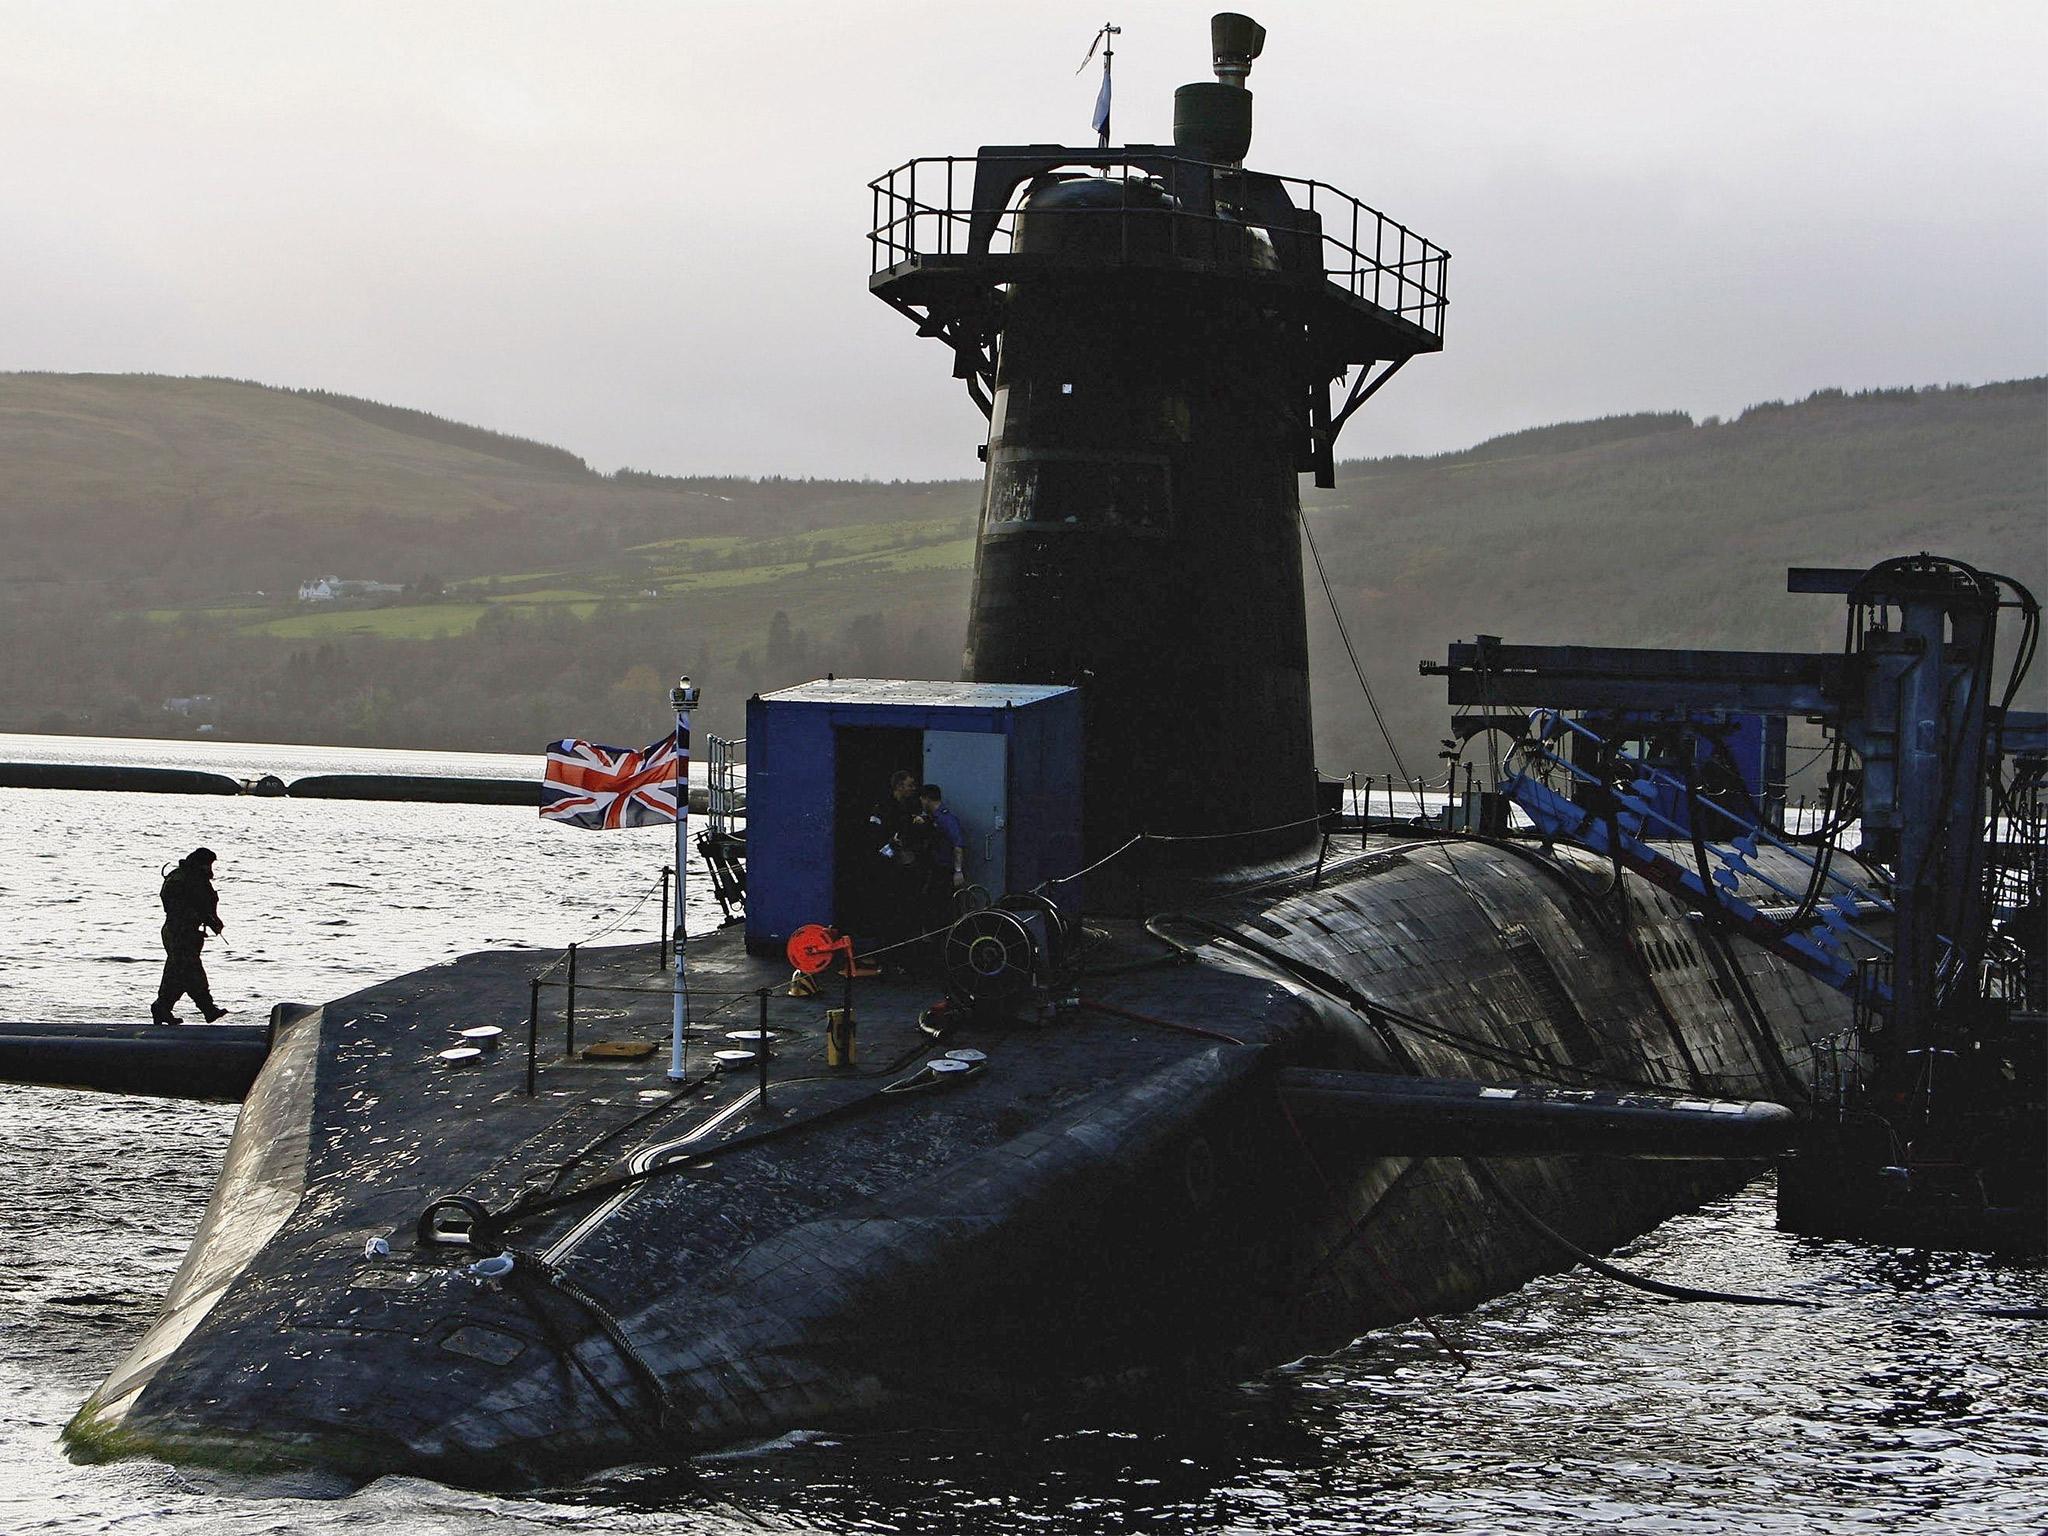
<point x="1117" y="1201"/>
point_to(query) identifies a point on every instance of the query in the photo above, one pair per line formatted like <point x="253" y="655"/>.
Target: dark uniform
<point x="191" y="906"/>
<point x="894" y="841"/>
<point x="940" y="849"/>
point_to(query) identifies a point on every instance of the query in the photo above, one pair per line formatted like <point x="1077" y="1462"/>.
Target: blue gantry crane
<point x="1936" y="925"/>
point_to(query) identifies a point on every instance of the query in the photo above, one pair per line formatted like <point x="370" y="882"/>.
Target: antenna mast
<point x="1106" y="41"/>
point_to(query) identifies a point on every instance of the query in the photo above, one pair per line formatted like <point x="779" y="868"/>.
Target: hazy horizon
<point x="975" y="473"/>
<point x="638" y="230"/>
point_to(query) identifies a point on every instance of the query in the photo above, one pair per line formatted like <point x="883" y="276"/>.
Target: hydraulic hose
<point x="1563" y="1244"/>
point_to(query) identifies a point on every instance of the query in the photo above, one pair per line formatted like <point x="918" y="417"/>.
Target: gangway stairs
<point x="723" y="845"/>
<point x="1631" y="830"/>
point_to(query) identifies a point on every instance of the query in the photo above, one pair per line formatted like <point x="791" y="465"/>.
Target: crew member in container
<point x="191" y="906"/>
<point x="945" y="861"/>
<point x="898" y="844"/>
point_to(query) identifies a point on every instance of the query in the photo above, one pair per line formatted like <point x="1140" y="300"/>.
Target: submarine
<point x="1213" y="1080"/>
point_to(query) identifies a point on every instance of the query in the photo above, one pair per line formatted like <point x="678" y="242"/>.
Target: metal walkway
<point x="1643" y="839"/>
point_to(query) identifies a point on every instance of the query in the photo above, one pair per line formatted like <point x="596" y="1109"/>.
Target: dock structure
<point x="1927" y="1116"/>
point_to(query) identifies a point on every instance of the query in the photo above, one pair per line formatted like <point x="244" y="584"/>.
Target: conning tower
<point x="1153" y="333"/>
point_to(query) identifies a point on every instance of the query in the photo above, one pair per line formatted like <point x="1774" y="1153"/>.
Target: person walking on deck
<point x="191" y="906"/>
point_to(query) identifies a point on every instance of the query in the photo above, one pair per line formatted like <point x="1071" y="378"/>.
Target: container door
<point x="972" y="767"/>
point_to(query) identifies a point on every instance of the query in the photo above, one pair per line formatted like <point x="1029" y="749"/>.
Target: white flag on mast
<point x="1105" y="39"/>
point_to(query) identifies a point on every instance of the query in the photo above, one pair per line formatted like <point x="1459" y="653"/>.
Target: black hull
<point x="1119" y="1201"/>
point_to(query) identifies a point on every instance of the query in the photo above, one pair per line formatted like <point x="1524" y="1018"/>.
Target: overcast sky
<point x="638" y="230"/>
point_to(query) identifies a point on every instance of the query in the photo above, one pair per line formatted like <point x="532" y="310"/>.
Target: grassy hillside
<point x="202" y="489"/>
<point x="161" y="527"/>
<point x="1655" y="532"/>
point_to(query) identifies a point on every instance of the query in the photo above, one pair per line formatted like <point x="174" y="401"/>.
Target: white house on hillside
<point x="325" y="589"/>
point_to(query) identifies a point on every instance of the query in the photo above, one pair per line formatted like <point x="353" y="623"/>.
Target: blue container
<point x="819" y="760"/>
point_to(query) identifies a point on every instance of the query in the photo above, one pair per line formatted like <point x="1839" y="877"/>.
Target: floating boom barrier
<point x="419" y="788"/>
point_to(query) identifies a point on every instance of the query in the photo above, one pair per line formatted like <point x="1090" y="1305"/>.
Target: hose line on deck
<point x="1096" y="1005"/>
<point x="548" y="1279"/>
<point x="590" y="1149"/>
<point x="1385" y="1018"/>
<point x="523" y="1209"/>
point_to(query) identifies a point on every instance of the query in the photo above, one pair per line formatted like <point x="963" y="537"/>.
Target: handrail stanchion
<point x="682" y="698"/>
<point x="761" y="1043"/>
<point x="569" y="1009"/>
<point x="1357" y="278"/>
<point x="1139" y="863"/>
<point x="532" y="1035"/>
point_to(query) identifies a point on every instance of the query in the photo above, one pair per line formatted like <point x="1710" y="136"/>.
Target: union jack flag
<point x="586" y="785"/>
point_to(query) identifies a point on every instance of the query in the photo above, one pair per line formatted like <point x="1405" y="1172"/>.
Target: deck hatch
<point x="485" y="1344"/>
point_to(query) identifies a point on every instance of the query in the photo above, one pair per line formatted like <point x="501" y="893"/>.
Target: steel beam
<point x="1489" y="673"/>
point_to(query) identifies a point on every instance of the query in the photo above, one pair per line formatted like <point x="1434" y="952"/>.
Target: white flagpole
<point x="1105" y="39"/>
<point x="684" y="699"/>
<point x="1108" y="52"/>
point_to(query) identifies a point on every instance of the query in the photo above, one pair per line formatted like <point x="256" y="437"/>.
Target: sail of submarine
<point x="1220" y="1105"/>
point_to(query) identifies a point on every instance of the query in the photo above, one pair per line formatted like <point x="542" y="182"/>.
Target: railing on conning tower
<point x="924" y="209"/>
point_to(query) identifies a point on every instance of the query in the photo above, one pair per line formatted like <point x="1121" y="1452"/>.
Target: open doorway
<point x="866" y="903"/>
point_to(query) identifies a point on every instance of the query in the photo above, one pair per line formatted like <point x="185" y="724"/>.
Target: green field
<point x="424" y="621"/>
<point x="548" y="595"/>
<point x="814" y="572"/>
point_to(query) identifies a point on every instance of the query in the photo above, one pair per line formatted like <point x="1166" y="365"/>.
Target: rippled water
<point x="1900" y="1406"/>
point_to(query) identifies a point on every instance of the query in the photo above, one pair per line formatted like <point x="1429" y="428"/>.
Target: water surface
<point x="1900" y="1406"/>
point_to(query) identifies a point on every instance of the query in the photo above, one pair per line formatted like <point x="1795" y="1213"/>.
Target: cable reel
<point x="1008" y="954"/>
